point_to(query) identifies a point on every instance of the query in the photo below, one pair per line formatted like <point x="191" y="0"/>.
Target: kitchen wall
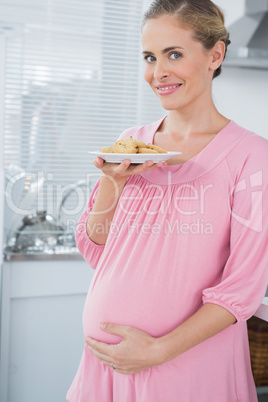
<point x="241" y="93"/>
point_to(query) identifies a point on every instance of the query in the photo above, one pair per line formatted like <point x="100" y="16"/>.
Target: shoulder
<point x="250" y="153"/>
<point x="250" y="145"/>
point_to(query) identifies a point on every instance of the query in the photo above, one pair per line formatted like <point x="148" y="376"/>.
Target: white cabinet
<point x="41" y="328"/>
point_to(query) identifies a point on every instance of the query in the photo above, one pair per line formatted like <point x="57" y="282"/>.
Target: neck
<point x="201" y="119"/>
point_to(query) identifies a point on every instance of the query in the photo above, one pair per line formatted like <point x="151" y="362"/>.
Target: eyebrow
<point x="166" y="50"/>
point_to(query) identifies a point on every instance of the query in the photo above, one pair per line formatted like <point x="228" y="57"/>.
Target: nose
<point x="161" y="71"/>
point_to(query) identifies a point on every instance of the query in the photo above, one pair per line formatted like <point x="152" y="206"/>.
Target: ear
<point x="217" y="55"/>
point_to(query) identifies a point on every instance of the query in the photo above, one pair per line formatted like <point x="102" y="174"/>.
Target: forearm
<point x="110" y="189"/>
<point x="205" y="323"/>
<point x="101" y="216"/>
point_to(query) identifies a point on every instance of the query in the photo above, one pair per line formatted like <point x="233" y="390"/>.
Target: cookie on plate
<point x="157" y="148"/>
<point x="140" y="143"/>
<point x="126" y="146"/>
<point x="147" y="151"/>
<point x="107" y="150"/>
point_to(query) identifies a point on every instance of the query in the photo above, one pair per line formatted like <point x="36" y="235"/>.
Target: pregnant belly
<point x="150" y="308"/>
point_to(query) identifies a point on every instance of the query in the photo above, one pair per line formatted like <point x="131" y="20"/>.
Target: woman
<point x="179" y="247"/>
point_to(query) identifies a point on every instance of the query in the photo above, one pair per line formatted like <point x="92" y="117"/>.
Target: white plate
<point x="134" y="158"/>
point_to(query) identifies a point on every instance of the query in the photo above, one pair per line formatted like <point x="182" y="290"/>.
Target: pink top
<point x="182" y="235"/>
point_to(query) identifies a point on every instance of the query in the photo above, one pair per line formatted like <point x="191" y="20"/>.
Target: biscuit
<point x="126" y="146"/>
<point x="147" y="151"/>
<point x="157" y="148"/>
<point x="141" y="144"/>
<point x="131" y="145"/>
<point x="107" y="150"/>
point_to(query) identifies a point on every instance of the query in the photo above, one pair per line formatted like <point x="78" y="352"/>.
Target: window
<point x="73" y="83"/>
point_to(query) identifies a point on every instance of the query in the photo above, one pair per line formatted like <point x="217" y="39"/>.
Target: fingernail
<point x="102" y="324"/>
<point x="149" y="163"/>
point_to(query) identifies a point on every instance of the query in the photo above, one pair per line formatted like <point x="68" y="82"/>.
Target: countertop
<point x="73" y="254"/>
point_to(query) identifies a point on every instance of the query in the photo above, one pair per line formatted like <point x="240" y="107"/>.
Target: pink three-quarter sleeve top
<point x="182" y="235"/>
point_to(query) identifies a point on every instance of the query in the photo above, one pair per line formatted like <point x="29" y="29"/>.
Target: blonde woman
<point x="181" y="262"/>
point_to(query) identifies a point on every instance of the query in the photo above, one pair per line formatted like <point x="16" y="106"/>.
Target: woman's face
<point x="177" y="67"/>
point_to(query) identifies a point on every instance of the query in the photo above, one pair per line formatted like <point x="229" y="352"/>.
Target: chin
<point x="167" y="106"/>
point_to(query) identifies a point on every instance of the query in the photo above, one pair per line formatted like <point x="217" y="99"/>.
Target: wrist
<point x="163" y="350"/>
<point x="113" y="183"/>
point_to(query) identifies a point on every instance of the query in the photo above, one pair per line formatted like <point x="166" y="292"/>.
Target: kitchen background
<point x="71" y="81"/>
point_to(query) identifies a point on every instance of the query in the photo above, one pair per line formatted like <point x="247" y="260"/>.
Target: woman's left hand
<point x="136" y="352"/>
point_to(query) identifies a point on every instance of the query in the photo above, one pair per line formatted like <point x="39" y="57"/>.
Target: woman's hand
<point x="136" y="352"/>
<point x="121" y="171"/>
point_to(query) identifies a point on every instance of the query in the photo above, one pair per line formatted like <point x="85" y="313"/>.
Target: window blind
<point x="73" y="83"/>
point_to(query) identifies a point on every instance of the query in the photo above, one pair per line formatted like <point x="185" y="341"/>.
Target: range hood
<point x="249" y="37"/>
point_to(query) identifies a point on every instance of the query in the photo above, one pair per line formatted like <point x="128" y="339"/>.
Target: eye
<point x="175" y="56"/>
<point x="149" y="59"/>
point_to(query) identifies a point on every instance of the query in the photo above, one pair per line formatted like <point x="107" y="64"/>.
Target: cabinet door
<point x="41" y="331"/>
<point x="46" y="343"/>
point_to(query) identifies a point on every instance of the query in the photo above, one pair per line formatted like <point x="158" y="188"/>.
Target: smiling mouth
<point x="168" y="87"/>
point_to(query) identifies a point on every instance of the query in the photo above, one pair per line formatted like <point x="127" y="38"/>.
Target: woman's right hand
<point x="121" y="171"/>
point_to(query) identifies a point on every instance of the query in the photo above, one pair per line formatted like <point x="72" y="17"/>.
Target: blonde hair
<point x="202" y="16"/>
